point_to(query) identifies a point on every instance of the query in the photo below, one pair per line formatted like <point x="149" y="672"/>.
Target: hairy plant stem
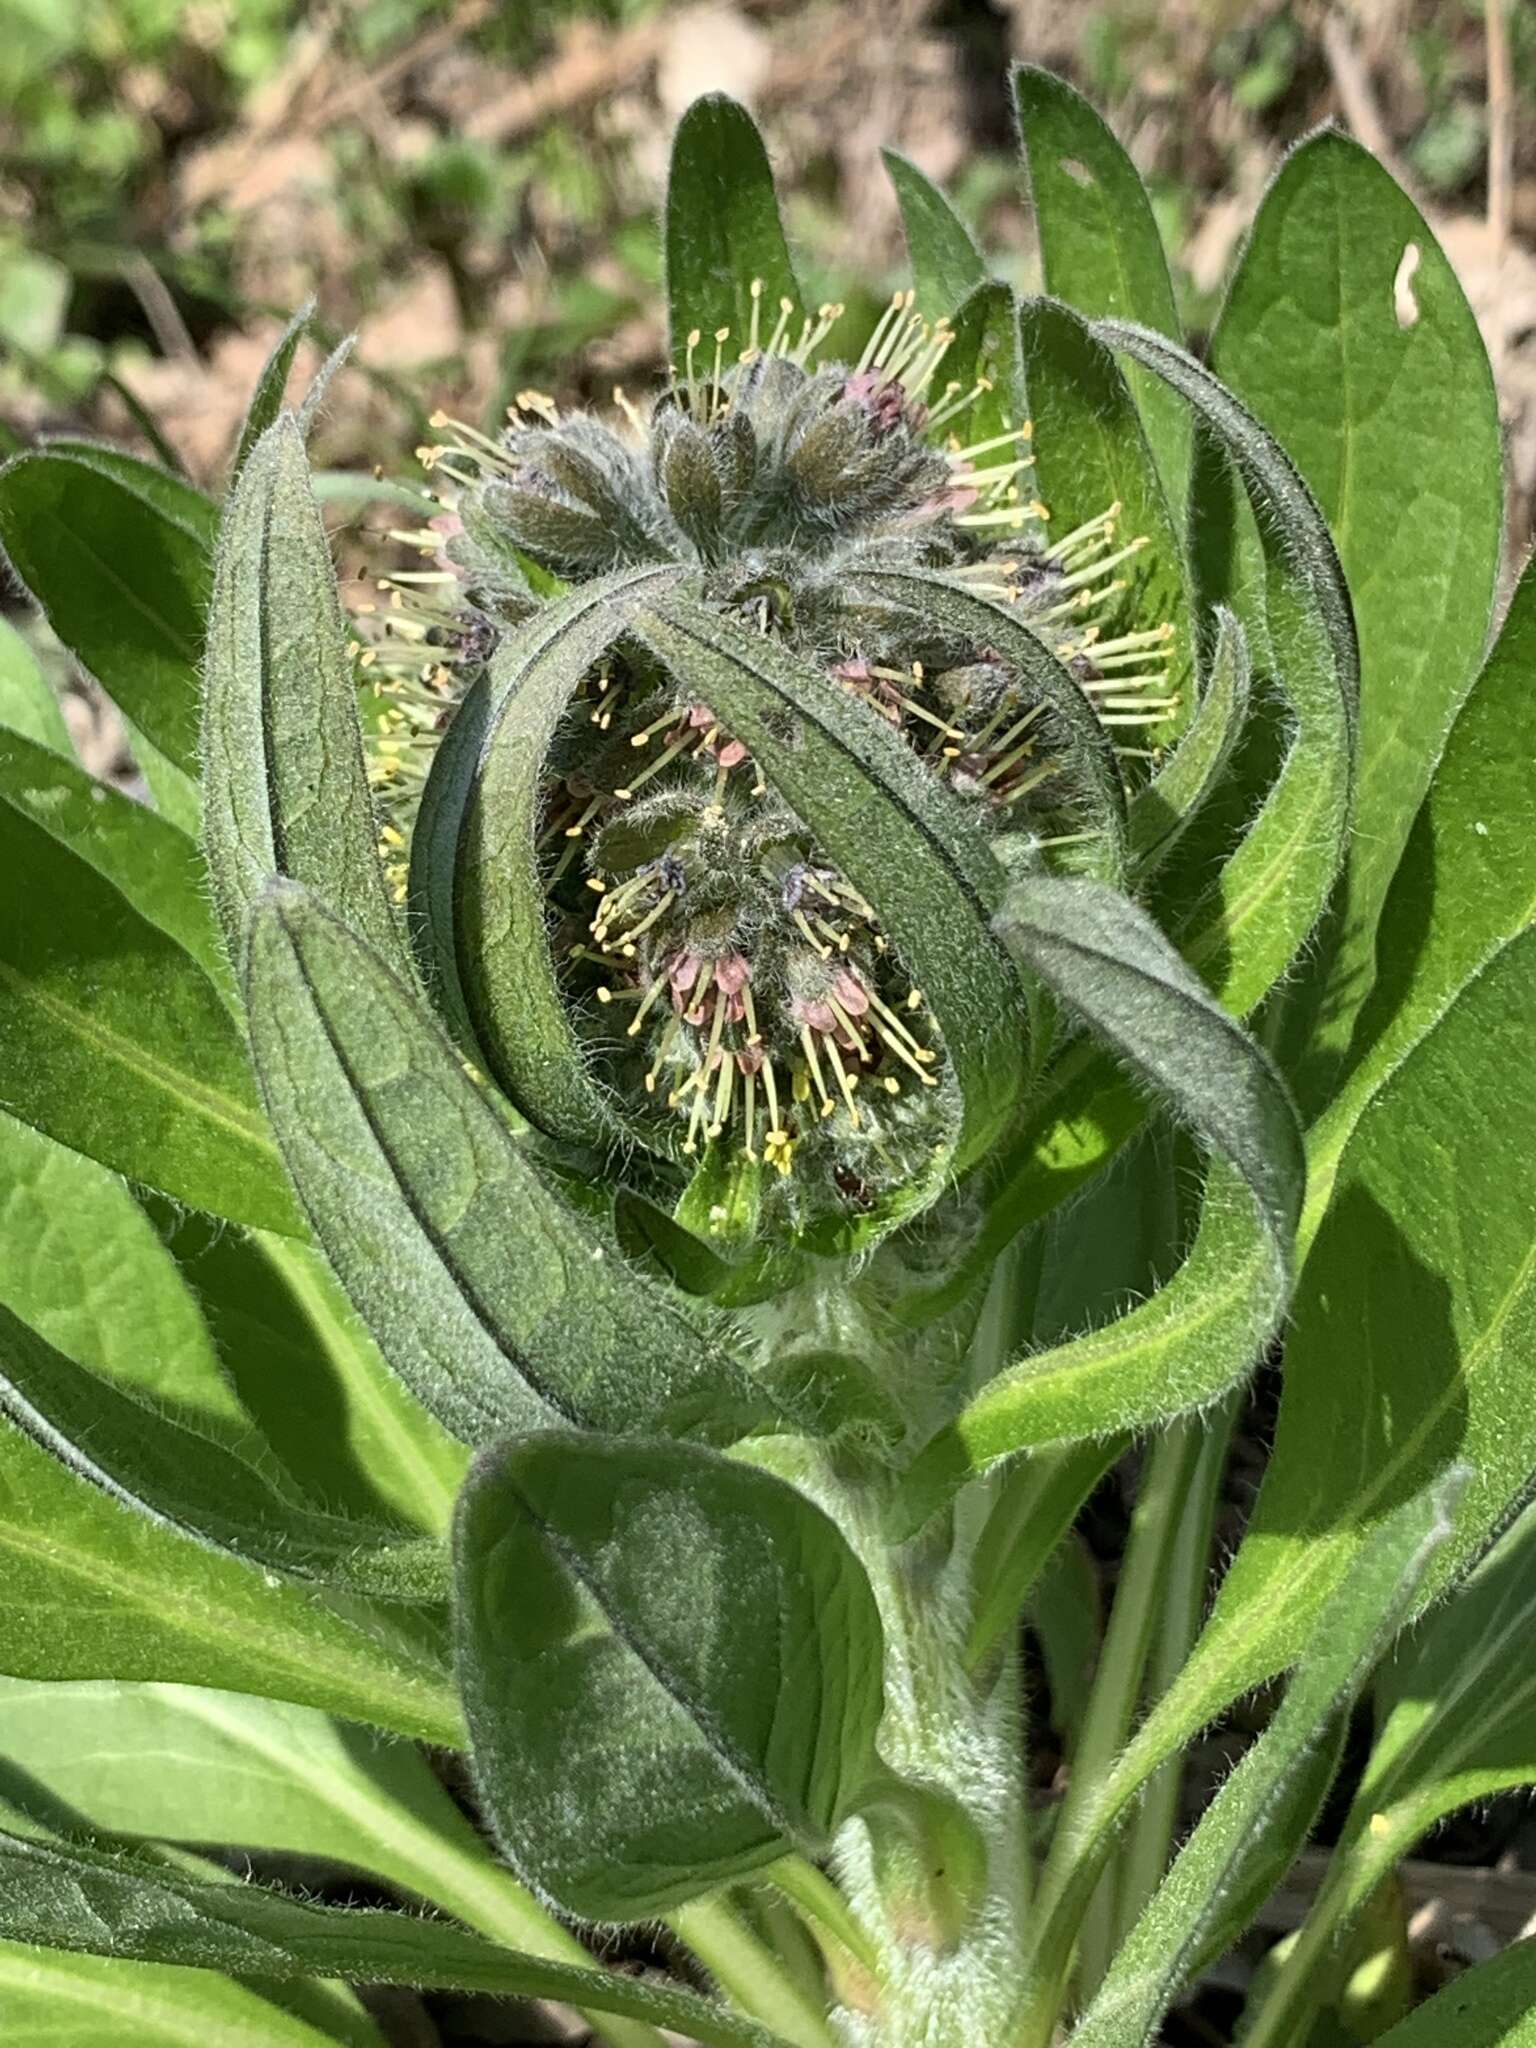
<point x="1181" y="1608"/>
<point x="1169" y="1473"/>
<point x="750" y="1974"/>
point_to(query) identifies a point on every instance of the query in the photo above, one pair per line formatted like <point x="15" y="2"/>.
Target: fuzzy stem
<point x="1168" y="1475"/>
<point x="1181" y="1604"/>
<point x="749" y="1973"/>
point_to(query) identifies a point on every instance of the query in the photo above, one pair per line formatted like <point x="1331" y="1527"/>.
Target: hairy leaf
<point x="477" y="871"/>
<point x="1205" y="1329"/>
<point x="1091" y="454"/>
<point x="671" y="1666"/>
<point x="1163" y="809"/>
<point x="117" y="554"/>
<point x="722" y="232"/>
<point x="285" y="786"/>
<point x="88" y="1901"/>
<point x="1489" y="2007"/>
<point x="266" y="400"/>
<point x="489" y="1296"/>
<point x="1099" y="243"/>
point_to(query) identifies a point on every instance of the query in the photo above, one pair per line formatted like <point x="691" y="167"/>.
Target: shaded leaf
<point x="117" y="554"/>
<point x="1164" y="808"/>
<point x="72" y="1897"/>
<point x="671" y="1667"/>
<point x="118" y="1045"/>
<point x="1489" y="2007"/>
<point x="28" y="703"/>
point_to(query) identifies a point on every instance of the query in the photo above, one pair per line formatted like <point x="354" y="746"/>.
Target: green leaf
<point x="946" y="264"/>
<point x="899" y="836"/>
<point x="271" y="386"/>
<point x="475" y="865"/>
<point x="489" y="1296"/>
<point x="285" y="786"/>
<point x="1096" y="771"/>
<point x="269" y="1778"/>
<point x="1247" y="926"/>
<point x="150" y="862"/>
<point x="95" y="1591"/>
<point x="1489" y="2007"/>
<point x="1377" y="385"/>
<point x="1099" y="243"/>
<point x="80" y="2001"/>
<point x="1435" y="1325"/>
<point x="1198" y="1335"/>
<point x="86" y="1901"/>
<point x="176" y="795"/>
<point x="985" y="358"/>
<point x="84" y="1268"/>
<point x="117" y="554"/>
<point x="305" y="1369"/>
<point x="1466" y="884"/>
<point x="191" y="1477"/>
<point x="118" y="1045"/>
<point x="671" y="1667"/>
<point x="722" y="232"/>
<point x="1091" y="453"/>
<point x="28" y="702"/>
<point x="1037" y="1504"/>
<point x="1164" y="808"/>
<point x="1353" y="1631"/>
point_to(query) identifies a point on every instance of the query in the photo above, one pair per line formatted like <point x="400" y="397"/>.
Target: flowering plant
<point x="832" y="949"/>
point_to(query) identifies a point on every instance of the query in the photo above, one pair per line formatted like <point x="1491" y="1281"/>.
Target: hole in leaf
<point x="1405" y="304"/>
<point x="1078" y="172"/>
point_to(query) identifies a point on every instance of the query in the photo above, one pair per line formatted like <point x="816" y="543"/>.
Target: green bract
<point x="641" y="1123"/>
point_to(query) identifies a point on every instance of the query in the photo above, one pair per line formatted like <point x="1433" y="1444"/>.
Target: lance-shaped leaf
<point x="1163" y="809"/>
<point x="147" y="859"/>
<point x="117" y="1044"/>
<point x="189" y="1476"/>
<point x="91" y="1901"/>
<point x="1430" y="1305"/>
<point x="94" y="1591"/>
<point x="271" y="386"/>
<point x="1105" y="958"/>
<point x="722" y="234"/>
<point x="78" y="2001"/>
<point x="899" y="835"/>
<point x="285" y="786"/>
<point x="1348" y="335"/>
<point x="266" y="1776"/>
<point x="984" y="361"/>
<point x="946" y="264"/>
<point x="671" y="1668"/>
<point x="117" y="554"/>
<point x="1092" y="455"/>
<point x="1272" y="891"/>
<point x="1456" y="1714"/>
<point x="1211" y="1868"/>
<point x="1090" y="757"/>
<point x="488" y="1295"/>
<point x="476" y="871"/>
<point x="1099" y="243"/>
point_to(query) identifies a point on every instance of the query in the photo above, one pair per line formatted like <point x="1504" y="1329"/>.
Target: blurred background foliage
<point x="473" y="185"/>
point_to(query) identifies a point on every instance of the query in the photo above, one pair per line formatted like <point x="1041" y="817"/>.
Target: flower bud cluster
<point x="726" y="976"/>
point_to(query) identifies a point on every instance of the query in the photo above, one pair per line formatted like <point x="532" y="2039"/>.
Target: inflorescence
<point x="724" y="974"/>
